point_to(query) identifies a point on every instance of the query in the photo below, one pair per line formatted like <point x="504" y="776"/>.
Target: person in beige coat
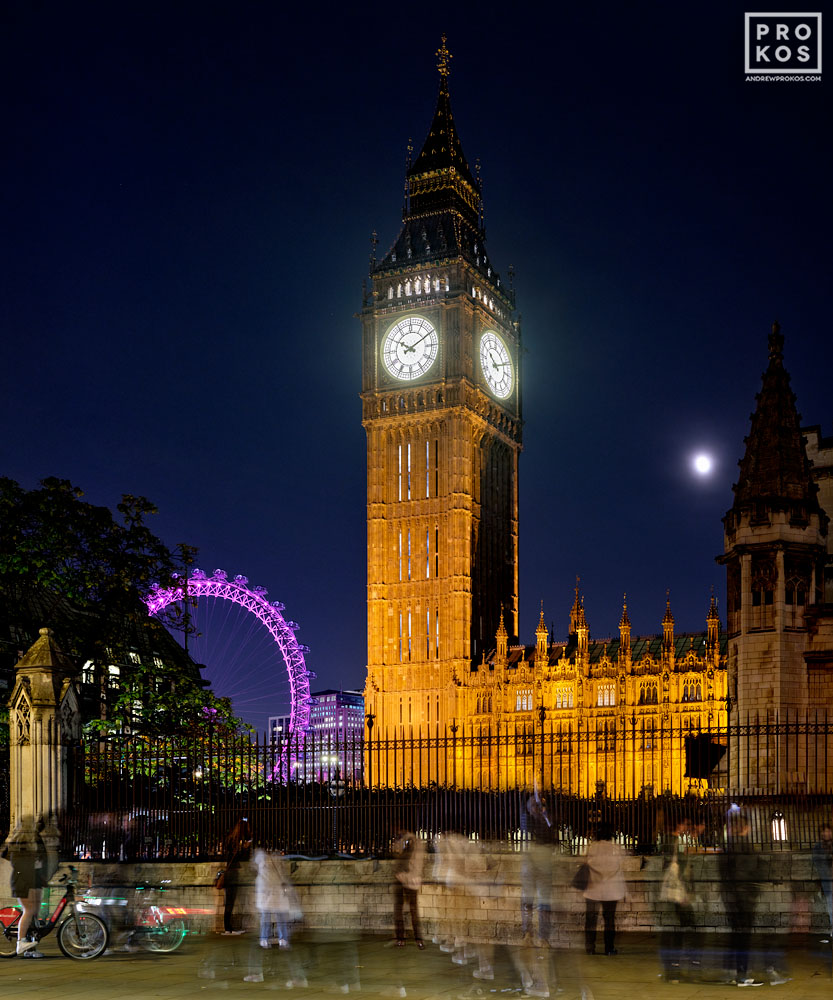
<point x="606" y="886"/>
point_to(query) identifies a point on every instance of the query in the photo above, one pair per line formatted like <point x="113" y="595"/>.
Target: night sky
<point x="188" y="192"/>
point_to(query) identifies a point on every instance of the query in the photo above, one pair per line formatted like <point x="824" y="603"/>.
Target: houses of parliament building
<point x="442" y="385"/>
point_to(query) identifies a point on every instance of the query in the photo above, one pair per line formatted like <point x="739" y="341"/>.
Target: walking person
<point x="823" y="866"/>
<point x="605" y="887"/>
<point x="26" y="853"/>
<point x="278" y="908"/>
<point x="407" y="872"/>
<point x="741" y="887"/>
<point x="237" y="853"/>
<point x="536" y="868"/>
<point x="677" y="891"/>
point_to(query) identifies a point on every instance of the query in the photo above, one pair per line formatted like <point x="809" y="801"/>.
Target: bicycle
<point x="139" y="915"/>
<point x="81" y="935"/>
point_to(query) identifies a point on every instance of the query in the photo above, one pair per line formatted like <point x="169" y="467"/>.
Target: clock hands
<point x="416" y="343"/>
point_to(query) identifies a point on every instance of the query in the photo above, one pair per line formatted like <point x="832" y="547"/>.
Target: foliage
<point x="64" y="559"/>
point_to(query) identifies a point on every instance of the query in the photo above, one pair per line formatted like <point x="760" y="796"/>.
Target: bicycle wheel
<point x="86" y="939"/>
<point x="8" y="940"/>
<point x="165" y="937"/>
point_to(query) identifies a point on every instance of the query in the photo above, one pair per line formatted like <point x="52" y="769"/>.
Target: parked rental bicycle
<point x="81" y="934"/>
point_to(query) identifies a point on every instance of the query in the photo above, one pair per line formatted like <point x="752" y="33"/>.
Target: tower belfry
<point x="441" y="405"/>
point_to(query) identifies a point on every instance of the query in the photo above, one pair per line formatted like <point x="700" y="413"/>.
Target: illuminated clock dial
<point x="410" y="348"/>
<point x="496" y="365"/>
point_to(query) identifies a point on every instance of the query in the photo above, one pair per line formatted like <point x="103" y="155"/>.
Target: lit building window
<point x="606" y="695"/>
<point x="523" y="700"/>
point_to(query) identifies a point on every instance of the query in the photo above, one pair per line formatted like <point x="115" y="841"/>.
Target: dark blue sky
<point x="187" y="196"/>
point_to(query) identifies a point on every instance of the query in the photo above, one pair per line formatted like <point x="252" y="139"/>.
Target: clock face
<point x="410" y="348"/>
<point x="496" y="365"/>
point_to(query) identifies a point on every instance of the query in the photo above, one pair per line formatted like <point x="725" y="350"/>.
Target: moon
<point x="703" y="464"/>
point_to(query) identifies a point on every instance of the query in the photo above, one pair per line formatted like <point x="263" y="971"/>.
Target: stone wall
<point x="356" y="895"/>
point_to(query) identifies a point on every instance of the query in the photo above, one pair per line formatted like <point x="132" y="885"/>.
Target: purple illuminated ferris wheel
<point x="268" y="614"/>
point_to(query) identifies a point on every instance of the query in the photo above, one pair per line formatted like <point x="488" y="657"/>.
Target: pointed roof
<point x="45" y="652"/>
<point x="624" y="621"/>
<point x="442" y="148"/>
<point x="443" y="205"/>
<point x="775" y="466"/>
<point x="713" y="615"/>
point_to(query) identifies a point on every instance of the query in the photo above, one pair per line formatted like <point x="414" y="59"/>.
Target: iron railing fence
<point x="314" y="794"/>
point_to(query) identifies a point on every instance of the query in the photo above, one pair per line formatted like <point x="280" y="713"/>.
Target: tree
<point x="65" y="560"/>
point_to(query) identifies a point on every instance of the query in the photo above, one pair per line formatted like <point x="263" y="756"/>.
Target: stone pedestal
<point x="44" y="724"/>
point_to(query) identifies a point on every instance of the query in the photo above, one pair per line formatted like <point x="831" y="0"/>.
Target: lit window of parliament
<point x="447" y="692"/>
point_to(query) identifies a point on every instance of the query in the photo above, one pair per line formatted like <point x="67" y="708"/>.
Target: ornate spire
<point x="452" y="183"/>
<point x="444" y="58"/>
<point x="501" y="638"/>
<point x="774" y="467"/>
<point x="713" y="616"/>
<point x="541" y="635"/>
<point x="582" y="630"/>
<point x="668" y="624"/>
<point x="624" y="621"/>
<point x="624" y="632"/>
<point x="575" y="611"/>
<point x="712" y="627"/>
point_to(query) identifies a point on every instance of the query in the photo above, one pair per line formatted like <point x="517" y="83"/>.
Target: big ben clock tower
<point x="441" y="404"/>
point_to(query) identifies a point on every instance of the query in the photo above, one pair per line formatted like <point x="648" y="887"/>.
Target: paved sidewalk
<point x="369" y="967"/>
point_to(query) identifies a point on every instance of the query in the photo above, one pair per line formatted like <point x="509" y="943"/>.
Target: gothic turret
<point x="582" y="632"/>
<point x="541" y="638"/>
<point x="712" y="630"/>
<point x="501" y="642"/>
<point x="667" y="627"/>
<point x="774" y="545"/>
<point x="625" y="633"/>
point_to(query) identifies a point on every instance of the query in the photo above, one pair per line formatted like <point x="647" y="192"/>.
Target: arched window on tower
<point x="390" y="291"/>
<point x="763" y="593"/>
<point x="408" y="287"/>
<point x="418" y="286"/>
<point x="796" y="597"/>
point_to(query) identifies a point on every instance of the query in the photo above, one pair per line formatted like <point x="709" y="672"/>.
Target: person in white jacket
<point x="606" y="886"/>
<point x="277" y="905"/>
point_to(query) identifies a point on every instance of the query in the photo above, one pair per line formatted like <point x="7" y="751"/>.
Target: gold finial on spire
<point x="444" y="58"/>
<point x="668" y="618"/>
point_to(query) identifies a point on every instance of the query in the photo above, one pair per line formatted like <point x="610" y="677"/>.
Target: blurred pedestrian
<point x="26" y="852"/>
<point x="237" y="853"/>
<point x="407" y="873"/>
<point x="677" y="891"/>
<point x="605" y="887"/>
<point x="823" y="866"/>
<point x="536" y="868"/>
<point x="278" y="909"/>
<point x="740" y="880"/>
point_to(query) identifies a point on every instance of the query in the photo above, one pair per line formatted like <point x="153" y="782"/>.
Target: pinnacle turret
<point x="774" y="468"/>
